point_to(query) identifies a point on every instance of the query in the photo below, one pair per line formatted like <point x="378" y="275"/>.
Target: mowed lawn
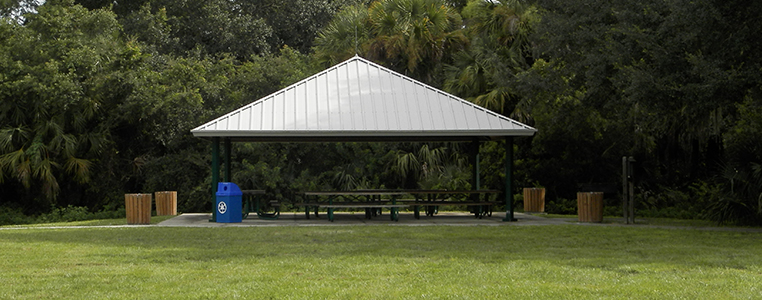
<point x="380" y="262"/>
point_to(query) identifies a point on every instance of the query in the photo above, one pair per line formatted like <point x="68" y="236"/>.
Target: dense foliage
<point x="665" y="81"/>
<point x="97" y="98"/>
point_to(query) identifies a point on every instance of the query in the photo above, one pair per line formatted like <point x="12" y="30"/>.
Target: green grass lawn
<point x="380" y="262"/>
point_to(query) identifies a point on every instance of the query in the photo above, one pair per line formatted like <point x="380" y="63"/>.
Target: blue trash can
<point x="229" y="203"/>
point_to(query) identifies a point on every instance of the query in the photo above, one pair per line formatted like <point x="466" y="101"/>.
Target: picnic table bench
<point x="315" y="206"/>
<point x="252" y="202"/>
<point x="370" y="200"/>
<point x="432" y="199"/>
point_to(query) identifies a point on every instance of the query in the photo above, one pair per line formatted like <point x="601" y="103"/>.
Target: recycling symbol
<point x="222" y="207"/>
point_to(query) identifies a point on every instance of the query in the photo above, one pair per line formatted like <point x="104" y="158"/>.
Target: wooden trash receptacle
<point x="590" y="207"/>
<point x="138" y="207"/>
<point x="534" y="200"/>
<point x="166" y="203"/>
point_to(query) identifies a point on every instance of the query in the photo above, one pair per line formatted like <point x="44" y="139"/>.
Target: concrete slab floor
<point x="358" y="218"/>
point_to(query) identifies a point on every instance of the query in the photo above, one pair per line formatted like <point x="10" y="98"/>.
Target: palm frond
<point x="15" y="164"/>
<point x="37" y="151"/>
<point x="23" y="170"/>
<point x="11" y="138"/>
<point x="44" y="171"/>
<point x="406" y="163"/>
<point x="79" y="168"/>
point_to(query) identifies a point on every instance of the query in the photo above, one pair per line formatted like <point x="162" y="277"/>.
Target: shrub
<point x="65" y="214"/>
<point x="13" y="216"/>
<point x="561" y="206"/>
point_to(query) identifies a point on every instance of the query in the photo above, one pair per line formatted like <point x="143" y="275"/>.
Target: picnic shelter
<point x="360" y="101"/>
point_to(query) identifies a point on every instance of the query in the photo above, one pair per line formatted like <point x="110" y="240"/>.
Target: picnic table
<point x="373" y="201"/>
<point x="252" y="201"/>
<point x="432" y="199"/>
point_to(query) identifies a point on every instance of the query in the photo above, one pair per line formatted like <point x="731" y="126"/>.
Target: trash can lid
<point x="228" y="189"/>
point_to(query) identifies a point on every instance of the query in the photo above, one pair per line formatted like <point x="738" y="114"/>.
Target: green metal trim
<point x="509" y="180"/>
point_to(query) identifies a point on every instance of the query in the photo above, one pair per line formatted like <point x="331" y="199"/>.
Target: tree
<point x="14" y="10"/>
<point x="433" y="166"/>
<point x="485" y="72"/>
<point x="295" y="23"/>
<point x="240" y="28"/>
<point x="181" y="27"/>
<point x="409" y="36"/>
<point x="659" y="80"/>
<point x="185" y="93"/>
<point x="739" y="197"/>
<point x="343" y="36"/>
<point x="50" y="133"/>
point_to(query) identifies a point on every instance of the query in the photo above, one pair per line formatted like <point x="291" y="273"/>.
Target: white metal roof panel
<point x="358" y="98"/>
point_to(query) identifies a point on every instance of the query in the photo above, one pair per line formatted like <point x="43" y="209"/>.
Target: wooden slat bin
<point x="166" y="203"/>
<point x="534" y="200"/>
<point x="138" y="207"/>
<point x="590" y="207"/>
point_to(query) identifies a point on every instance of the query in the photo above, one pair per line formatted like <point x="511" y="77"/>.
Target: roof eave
<point x="368" y="136"/>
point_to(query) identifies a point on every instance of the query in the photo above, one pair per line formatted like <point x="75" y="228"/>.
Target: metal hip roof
<point x="360" y="100"/>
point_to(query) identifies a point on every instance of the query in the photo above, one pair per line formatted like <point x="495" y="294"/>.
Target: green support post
<point x="476" y="180"/>
<point x="509" y="180"/>
<point x="227" y="161"/>
<point x="215" y="175"/>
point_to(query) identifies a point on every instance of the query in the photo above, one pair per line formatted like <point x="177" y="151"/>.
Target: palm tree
<point x="47" y="116"/>
<point x="500" y="48"/>
<point x="430" y="165"/>
<point x="506" y="23"/>
<point x="410" y="36"/>
<point x="413" y="34"/>
<point x="46" y="150"/>
<point x="343" y="37"/>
